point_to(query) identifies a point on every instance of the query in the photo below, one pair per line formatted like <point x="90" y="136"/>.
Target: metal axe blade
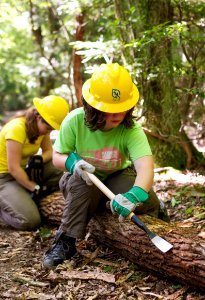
<point x="159" y="242"/>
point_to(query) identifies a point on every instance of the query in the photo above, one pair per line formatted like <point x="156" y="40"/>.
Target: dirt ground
<point x="22" y="275"/>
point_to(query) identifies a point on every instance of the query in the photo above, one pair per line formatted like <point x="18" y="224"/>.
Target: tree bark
<point x="77" y="78"/>
<point x="185" y="262"/>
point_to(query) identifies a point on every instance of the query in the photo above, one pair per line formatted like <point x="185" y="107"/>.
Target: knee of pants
<point x="22" y="222"/>
<point x="75" y="187"/>
<point x="64" y="181"/>
<point x="32" y="223"/>
<point x="29" y="224"/>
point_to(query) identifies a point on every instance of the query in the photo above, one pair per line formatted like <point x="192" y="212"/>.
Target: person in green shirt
<point x="102" y="137"/>
<point x="27" y="174"/>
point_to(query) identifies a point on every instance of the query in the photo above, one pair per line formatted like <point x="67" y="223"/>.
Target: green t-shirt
<point x="108" y="151"/>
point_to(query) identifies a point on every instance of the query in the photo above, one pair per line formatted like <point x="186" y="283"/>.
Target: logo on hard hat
<point x="116" y="94"/>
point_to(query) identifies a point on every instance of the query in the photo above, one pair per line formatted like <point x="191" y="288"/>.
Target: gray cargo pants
<point x="17" y="208"/>
<point x="83" y="201"/>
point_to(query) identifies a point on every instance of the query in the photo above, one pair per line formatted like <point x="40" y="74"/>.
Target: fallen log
<point x="184" y="263"/>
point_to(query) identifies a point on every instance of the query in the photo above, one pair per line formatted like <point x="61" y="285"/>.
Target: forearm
<point x="145" y="182"/>
<point x="22" y="178"/>
<point x="59" y="160"/>
<point x="46" y="155"/>
<point x="145" y="173"/>
<point x="47" y="149"/>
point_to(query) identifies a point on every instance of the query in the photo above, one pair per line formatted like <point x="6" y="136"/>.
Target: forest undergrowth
<point x="22" y="275"/>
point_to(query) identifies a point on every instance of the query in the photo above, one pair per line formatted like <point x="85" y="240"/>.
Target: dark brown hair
<point x="31" y="124"/>
<point x="95" y="119"/>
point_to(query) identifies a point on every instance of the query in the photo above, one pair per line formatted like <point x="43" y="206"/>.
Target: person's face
<point x="43" y="126"/>
<point x="113" y="120"/>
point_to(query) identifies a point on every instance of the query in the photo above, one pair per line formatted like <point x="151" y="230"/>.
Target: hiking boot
<point x="163" y="214"/>
<point x="62" y="249"/>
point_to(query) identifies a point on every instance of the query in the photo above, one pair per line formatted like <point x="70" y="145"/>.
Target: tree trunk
<point x="125" y="29"/>
<point x="185" y="262"/>
<point x="77" y="78"/>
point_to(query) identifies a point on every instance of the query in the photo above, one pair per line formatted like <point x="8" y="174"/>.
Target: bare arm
<point x="14" y="154"/>
<point x="144" y="167"/>
<point x="46" y="147"/>
<point x="59" y="160"/>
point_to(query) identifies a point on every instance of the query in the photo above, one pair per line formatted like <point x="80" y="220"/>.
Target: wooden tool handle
<point x="101" y="186"/>
<point x="104" y="189"/>
<point x="160" y="243"/>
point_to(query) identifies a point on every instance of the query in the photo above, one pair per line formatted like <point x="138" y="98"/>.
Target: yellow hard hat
<point x="110" y="89"/>
<point x="53" y="109"/>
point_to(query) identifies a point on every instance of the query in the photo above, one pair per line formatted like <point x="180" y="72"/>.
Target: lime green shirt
<point x="16" y="130"/>
<point x="108" y="151"/>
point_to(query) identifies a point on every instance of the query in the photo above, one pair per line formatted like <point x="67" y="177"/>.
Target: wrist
<point x="36" y="189"/>
<point x="71" y="161"/>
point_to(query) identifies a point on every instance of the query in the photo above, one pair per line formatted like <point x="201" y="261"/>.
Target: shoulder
<point x="135" y="128"/>
<point x="15" y="129"/>
<point x="135" y="133"/>
<point x="76" y="113"/>
<point x="16" y="124"/>
<point x="137" y="125"/>
<point x="75" y="116"/>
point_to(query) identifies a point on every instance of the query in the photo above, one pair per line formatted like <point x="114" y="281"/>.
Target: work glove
<point x="125" y="203"/>
<point x="35" y="169"/>
<point x="76" y="165"/>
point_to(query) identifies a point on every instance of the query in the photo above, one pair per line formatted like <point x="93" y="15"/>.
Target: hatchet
<point x="159" y="242"/>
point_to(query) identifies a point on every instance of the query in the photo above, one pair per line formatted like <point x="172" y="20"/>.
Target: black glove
<point x="39" y="192"/>
<point x="35" y="169"/>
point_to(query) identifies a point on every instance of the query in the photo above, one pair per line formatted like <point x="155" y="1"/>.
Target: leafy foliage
<point x="161" y="43"/>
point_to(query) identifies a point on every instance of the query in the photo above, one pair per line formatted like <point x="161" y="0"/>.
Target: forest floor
<point x="22" y="275"/>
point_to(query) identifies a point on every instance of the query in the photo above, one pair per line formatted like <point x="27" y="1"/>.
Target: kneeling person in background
<point x="24" y="176"/>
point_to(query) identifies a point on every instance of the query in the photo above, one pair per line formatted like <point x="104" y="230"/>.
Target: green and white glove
<point x="76" y="165"/>
<point x="125" y="203"/>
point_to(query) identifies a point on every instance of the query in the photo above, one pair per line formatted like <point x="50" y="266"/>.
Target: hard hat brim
<point x="38" y="106"/>
<point x="109" y="107"/>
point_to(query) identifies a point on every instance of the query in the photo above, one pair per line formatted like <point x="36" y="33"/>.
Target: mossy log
<point x="184" y="263"/>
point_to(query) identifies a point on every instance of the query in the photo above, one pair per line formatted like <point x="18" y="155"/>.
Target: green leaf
<point x="107" y="269"/>
<point x="175" y="202"/>
<point x="189" y="211"/>
<point x="44" y="232"/>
